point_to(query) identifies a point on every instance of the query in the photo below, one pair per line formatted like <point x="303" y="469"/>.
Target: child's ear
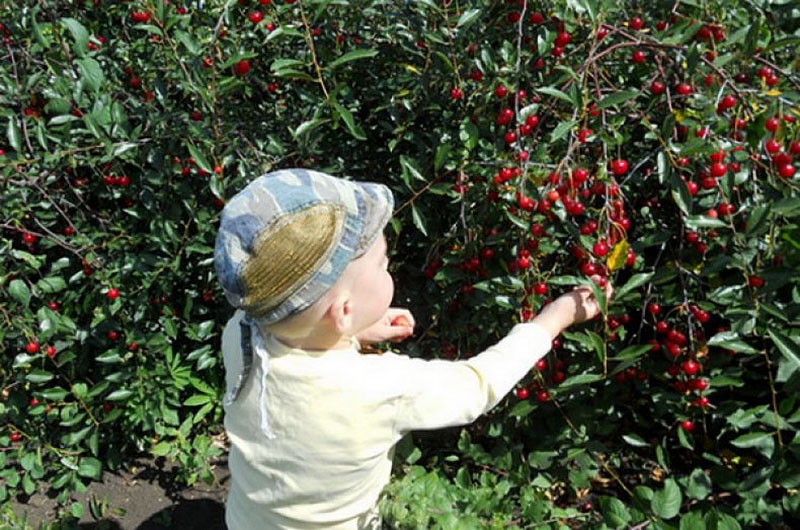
<point x="340" y="314"/>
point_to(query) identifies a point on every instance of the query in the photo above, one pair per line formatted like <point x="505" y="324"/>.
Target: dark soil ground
<point x="143" y="497"/>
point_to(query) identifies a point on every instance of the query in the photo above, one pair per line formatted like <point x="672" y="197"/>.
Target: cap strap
<point x="246" y="346"/>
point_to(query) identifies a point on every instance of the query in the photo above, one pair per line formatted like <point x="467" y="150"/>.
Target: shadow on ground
<point x="146" y="496"/>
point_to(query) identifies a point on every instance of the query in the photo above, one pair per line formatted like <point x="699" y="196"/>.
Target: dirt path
<point x="144" y="497"/>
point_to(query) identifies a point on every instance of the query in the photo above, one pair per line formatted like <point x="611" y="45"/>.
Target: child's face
<point x="372" y="287"/>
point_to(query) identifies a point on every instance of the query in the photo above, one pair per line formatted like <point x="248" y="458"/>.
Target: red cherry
<point x="32" y="347"/>
<point x="600" y="249"/>
<point x="559" y="377"/>
<point x="456" y="93"/>
<point x="589" y="269"/>
<point x="654" y="308"/>
<point x="772" y="145"/>
<point x="113" y="335"/>
<point x="536" y="18"/>
<point x="580" y="175"/>
<point x="662" y="327"/>
<point x="501" y="91"/>
<point x="636" y="23"/>
<point x="523" y="393"/>
<point x="140" y="17"/>
<point x="543" y="396"/>
<point x="541" y="365"/>
<point x="505" y="116"/>
<point x="112" y="294"/>
<point x="719" y="169"/>
<point x="691" y="367"/>
<point x="619" y="167"/>
<point x="15" y="437"/>
<point x="540" y="288"/>
<point x="727" y="102"/>
<point x="523" y="262"/>
<point x="794" y="147"/>
<point x="702" y="401"/>
<point x="658" y="87"/>
<point x="639" y="56"/>
<point x="51" y="351"/>
<point x="242" y="67"/>
<point x="562" y="39"/>
<point x="510" y="137"/>
<point x="756" y="282"/>
<point x="772" y="124"/>
<point x="684" y="89"/>
<point x="29" y="238"/>
<point x="688" y="425"/>
<point x="256" y="17"/>
<point x="402" y="321"/>
<point x="787" y="171"/>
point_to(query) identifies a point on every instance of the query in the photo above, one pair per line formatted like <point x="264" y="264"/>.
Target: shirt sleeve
<point x="438" y="393"/>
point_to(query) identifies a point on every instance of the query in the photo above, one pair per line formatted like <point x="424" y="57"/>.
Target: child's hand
<point x="574" y="307"/>
<point x="396" y="325"/>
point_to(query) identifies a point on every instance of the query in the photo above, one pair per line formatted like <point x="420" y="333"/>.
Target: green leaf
<point x="20" y="291"/>
<point x="13" y="134"/>
<point x="788" y="207"/>
<point x="161" y="449"/>
<point x="54" y="394"/>
<point x="666" y="502"/>
<point x="731" y="341"/>
<point x="635" y="440"/>
<point x="632" y="352"/>
<point x="468" y="18"/>
<point x="91" y="73"/>
<point x="51" y="284"/>
<point x="581" y="379"/>
<point x="615" y="514"/>
<point x="758" y="219"/>
<point x="197" y="399"/>
<point x="763" y="442"/>
<point x="187" y="40"/>
<point x="308" y="126"/>
<point x="354" y="55"/>
<point x="90" y="467"/>
<point x="703" y="221"/>
<point x="419" y="220"/>
<point x="39" y="376"/>
<point x="199" y="158"/>
<point x="680" y="194"/>
<point x="692" y="521"/>
<point x="698" y="485"/>
<point x="790" y="351"/>
<point x="347" y="116"/>
<point x="119" y="395"/>
<point x="550" y="91"/>
<point x="410" y="169"/>
<point x="636" y="281"/>
<point x="562" y="129"/>
<point x="79" y="34"/>
<point x="616" y="98"/>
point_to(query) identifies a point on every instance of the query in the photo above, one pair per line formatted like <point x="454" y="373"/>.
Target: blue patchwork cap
<point x="286" y="238"/>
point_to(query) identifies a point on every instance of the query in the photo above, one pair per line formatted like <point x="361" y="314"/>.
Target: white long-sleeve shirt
<point x="335" y="417"/>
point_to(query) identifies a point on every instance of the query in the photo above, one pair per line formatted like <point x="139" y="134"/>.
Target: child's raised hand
<point x="396" y="325"/>
<point x="574" y="307"/>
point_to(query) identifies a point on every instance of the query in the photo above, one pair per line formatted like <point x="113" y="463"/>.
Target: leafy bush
<point x="529" y="146"/>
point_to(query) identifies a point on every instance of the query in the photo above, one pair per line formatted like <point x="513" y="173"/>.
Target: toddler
<point x="312" y="422"/>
